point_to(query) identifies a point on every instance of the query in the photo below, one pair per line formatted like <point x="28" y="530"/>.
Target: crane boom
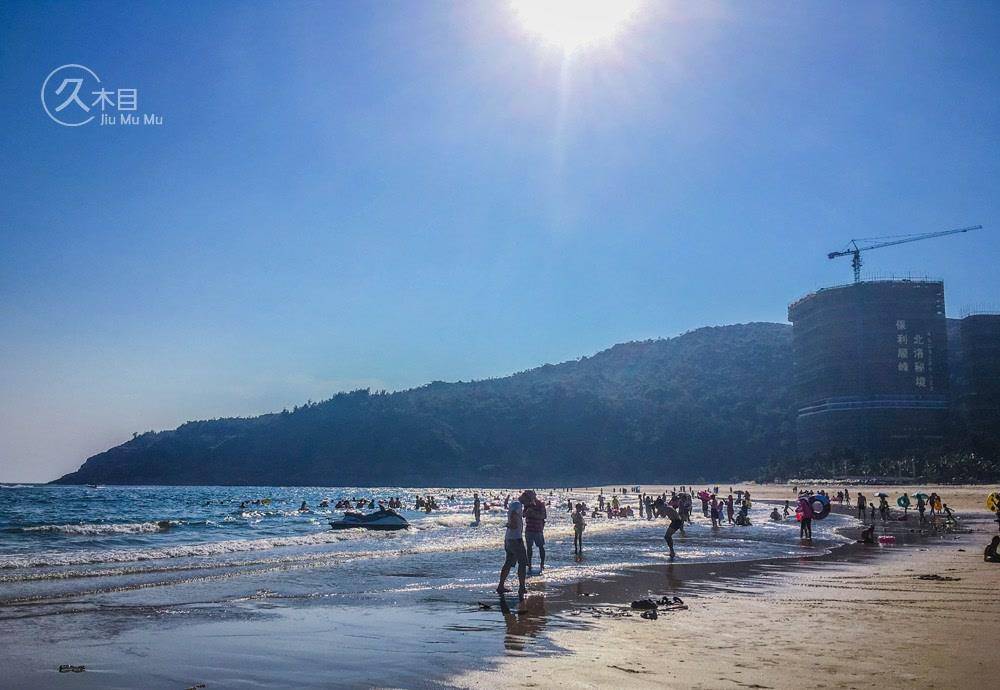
<point x="855" y="251"/>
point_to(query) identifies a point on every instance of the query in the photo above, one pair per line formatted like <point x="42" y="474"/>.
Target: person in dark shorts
<point x="675" y="524"/>
<point x="806" y="528"/>
<point x="579" y="524"/>
<point x="513" y="546"/>
<point x="534" y="526"/>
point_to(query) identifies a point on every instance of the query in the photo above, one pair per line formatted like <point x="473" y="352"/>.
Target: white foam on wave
<point x="38" y="560"/>
<point x="99" y="529"/>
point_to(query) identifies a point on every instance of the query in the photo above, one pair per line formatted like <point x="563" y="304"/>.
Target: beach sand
<point x="859" y="617"/>
<point x="923" y="613"/>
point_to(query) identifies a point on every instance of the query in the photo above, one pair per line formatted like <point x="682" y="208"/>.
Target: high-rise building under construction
<point x="871" y="368"/>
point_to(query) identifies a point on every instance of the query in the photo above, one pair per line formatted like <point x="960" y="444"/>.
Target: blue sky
<point x="383" y="194"/>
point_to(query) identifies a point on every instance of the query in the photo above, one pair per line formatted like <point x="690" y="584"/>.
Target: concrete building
<point x="871" y="368"/>
<point x="978" y="395"/>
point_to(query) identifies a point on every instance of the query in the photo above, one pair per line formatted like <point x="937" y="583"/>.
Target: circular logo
<point x="66" y="94"/>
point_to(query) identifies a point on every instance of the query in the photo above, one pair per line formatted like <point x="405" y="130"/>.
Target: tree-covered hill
<point x="714" y="402"/>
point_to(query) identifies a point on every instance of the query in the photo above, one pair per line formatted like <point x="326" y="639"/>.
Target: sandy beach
<point x="922" y="613"/>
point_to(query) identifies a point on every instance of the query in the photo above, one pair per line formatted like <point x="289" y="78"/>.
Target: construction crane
<point x="854" y="250"/>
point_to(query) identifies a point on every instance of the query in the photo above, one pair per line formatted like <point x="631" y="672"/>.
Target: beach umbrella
<point x="993" y="501"/>
<point x="882" y="494"/>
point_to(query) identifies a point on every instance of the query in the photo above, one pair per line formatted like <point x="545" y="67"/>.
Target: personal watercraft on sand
<point x="379" y="520"/>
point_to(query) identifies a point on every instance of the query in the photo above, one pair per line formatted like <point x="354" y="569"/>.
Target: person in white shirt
<point x="513" y="545"/>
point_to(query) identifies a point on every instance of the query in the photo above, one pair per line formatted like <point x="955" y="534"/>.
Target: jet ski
<point x="380" y="520"/>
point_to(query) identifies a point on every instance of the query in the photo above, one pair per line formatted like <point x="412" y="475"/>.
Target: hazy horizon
<point x="379" y="195"/>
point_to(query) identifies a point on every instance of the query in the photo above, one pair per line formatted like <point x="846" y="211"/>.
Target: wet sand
<point x="922" y="613"/>
<point x="858" y="617"/>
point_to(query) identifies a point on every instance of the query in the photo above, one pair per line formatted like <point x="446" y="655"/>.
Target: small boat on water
<point x="379" y="520"/>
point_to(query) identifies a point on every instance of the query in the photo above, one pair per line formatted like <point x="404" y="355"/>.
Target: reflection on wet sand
<point x="524" y="622"/>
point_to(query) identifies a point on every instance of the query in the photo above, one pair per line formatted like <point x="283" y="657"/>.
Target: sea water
<point x="184" y="544"/>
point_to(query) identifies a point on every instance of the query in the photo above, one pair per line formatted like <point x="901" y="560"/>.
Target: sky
<point x="382" y="194"/>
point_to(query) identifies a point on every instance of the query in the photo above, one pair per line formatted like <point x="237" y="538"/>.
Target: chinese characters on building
<point x="914" y="354"/>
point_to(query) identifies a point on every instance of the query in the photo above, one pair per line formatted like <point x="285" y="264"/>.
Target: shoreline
<point x="373" y="639"/>
<point x="781" y="603"/>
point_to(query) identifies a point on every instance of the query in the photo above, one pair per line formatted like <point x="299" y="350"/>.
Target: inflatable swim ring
<point x="903" y="501"/>
<point x="993" y="501"/>
<point x="819" y="505"/>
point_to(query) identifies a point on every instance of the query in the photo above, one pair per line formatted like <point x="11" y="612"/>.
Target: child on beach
<point x="578" y="526"/>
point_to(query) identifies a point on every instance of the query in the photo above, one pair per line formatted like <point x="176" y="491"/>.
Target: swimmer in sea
<point x="775" y="515"/>
<point x="868" y="535"/>
<point x="303" y="508"/>
<point x="675" y="524"/>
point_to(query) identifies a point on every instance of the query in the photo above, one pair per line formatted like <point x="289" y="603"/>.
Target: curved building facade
<point x="871" y="368"/>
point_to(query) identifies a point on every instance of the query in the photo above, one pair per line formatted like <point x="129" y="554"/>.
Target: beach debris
<point x="627" y="670"/>
<point x="196" y="687"/>
<point x="649" y="615"/>
<point x="587" y="594"/>
<point x="70" y="668"/>
<point x="644" y="605"/>
<point x="937" y="578"/>
<point x="484" y="606"/>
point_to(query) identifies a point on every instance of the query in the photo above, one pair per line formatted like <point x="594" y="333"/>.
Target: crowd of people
<point x="526" y="516"/>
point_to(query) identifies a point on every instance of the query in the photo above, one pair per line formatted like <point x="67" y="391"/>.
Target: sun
<point x="575" y="24"/>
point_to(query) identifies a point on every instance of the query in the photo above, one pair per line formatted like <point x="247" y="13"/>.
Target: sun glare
<point x="575" y="24"/>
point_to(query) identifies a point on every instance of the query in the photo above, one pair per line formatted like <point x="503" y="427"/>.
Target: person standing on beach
<point x="675" y="524"/>
<point x="534" y="526"/>
<point x="513" y="546"/>
<point x="579" y="523"/>
<point x="883" y="508"/>
<point x="921" y="507"/>
<point x="806" y="528"/>
<point x="715" y="511"/>
<point x="862" y="504"/>
<point x="476" y="506"/>
<point x="730" y="510"/>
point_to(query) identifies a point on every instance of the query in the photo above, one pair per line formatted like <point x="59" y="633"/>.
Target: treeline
<point x="713" y="404"/>
<point x="710" y="403"/>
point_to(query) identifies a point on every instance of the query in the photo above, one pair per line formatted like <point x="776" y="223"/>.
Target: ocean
<point x="197" y="544"/>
